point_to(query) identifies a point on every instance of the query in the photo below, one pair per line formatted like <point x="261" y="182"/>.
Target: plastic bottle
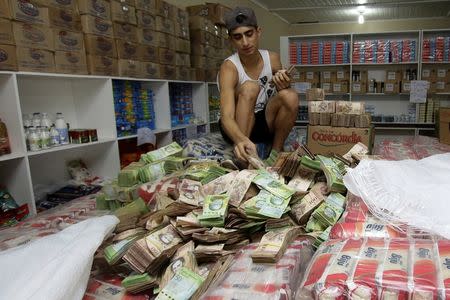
<point x="61" y="126"/>
<point x="54" y="137"/>
<point x="5" y="148"/>
<point x="45" y="121"/>
<point x="36" y="119"/>
<point x="45" y="138"/>
<point x="33" y="140"/>
<point x="27" y="120"/>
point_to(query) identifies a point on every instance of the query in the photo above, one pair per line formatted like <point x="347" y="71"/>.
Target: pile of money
<point x="334" y="171"/>
<point x="363" y="121"/>
<point x="350" y="107"/>
<point x="172" y="149"/>
<point x="273" y="244"/>
<point x="139" y="282"/>
<point x="266" y="205"/>
<point x="129" y="176"/>
<point x="240" y="186"/>
<point x="182" y="286"/>
<point x="329" y="212"/>
<point x="215" y="208"/>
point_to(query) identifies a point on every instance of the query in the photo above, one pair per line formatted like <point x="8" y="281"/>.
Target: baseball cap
<point x="240" y="16"/>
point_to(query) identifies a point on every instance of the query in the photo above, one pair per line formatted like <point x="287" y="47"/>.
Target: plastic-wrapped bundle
<point x="378" y="269"/>
<point x="247" y="280"/>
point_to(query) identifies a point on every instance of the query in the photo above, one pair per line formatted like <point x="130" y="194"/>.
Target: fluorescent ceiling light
<point x="361" y="19"/>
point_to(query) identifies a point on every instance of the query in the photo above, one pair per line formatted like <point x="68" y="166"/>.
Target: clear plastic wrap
<point x="373" y="268"/>
<point x="248" y="280"/>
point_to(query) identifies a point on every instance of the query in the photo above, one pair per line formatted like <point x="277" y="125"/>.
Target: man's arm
<point x="228" y="79"/>
<point x="281" y="79"/>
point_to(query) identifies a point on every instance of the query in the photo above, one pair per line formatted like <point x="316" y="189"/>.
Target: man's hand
<point x="281" y="80"/>
<point x="243" y="149"/>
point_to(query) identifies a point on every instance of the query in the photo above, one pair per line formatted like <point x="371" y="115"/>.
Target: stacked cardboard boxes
<point x="8" y="57"/>
<point x="209" y="39"/>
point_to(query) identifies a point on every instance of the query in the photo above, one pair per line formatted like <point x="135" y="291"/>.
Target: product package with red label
<point x="248" y="280"/>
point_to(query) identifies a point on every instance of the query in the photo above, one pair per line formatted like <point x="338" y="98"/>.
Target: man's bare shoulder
<point x="228" y="72"/>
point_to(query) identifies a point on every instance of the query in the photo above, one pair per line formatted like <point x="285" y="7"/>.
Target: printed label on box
<point x="340" y="75"/>
<point x="327" y="75"/>
<point x="356" y="87"/>
<point x="426" y="73"/>
<point x="389" y="87"/>
<point x="391" y="75"/>
<point x="326" y="86"/>
<point x="310" y="75"/>
<point x="440" y="85"/>
<point x="407" y="86"/>
<point x="441" y="73"/>
<point x="336" y="87"/>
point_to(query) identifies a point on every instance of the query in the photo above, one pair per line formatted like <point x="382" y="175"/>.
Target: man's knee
<point x="289" y="99"/>
<point x="248" y="91"/>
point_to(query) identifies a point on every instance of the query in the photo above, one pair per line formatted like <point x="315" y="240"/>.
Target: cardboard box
<point x="198" y="61"/>
<point x="97" y="26"/>
<point x="166" y="56"/>
<point x="201" y="37"/>
<point x="99" y="46"/>
<point x="68" y="40"/>
<point x="441" y="86"/>
<point x="127" y="50"/>
<point x="315" y="95"/>
<point x="167" y="72"/>
<point x="31" y="35"/>
<point x="102" y="65"/>
<point x="148" y="37"/>
<point x="127" y="2"/>
<point x="150" y="70"/>
<point x="165" y="25"/>
<point x="182" y="59"/>
<point x="8" y="58"/>
<point x="359" y="87"/>
<point x="340" y="87"/>
<point x="327" y="139"/>
<point x="70" y="62"/>
<point x="148" y="53"/>
<point x="182" y="31"/>
<point x="146" y="5"/>
<point x="64" y="4"/>
<point x="391" y="88"/>
<point x="342" y="75"/>
<point x="202" y="50"/>
<point x="6" y="33"/>
<point x="200" y="74"/>
<point x="145" y="20"/>
<point x="202" y="23"/>
<point x="327" y="76"/>
<point x="312" y="77"/>
<point x="182" y="45"/>
<point x="406" y="87"/>
<point x="327" y="87"/>
<point x="429" y="74"/>
<point x="165" y="9"/>
<point x="165" y="40"/>
<point x="121" y="12"/>
<point x="98" y="8"/>
<point x="35" y="60"/>
<point x="27" y="12"/>
<point x="393" y="76"/>
<point x="211" y="75"/>
<point x="181" y="17"/>
<point x="444" y="125"/>
<point x="125" y="31"/>
<point x="214" y="12"/>
<point x="64" y="19"/>
<point x="129" y="68"/>
<point x="5" y="11"/>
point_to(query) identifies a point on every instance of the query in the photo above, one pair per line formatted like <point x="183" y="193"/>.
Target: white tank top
<point x="263" y="79"/>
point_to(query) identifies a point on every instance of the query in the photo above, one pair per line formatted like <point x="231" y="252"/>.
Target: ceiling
<point x="326" y="11"/>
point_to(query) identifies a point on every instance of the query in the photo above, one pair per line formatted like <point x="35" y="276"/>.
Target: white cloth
<point x="406" y="191"/>
<point x="56" y="266"/>
<point x="263" y="80"/>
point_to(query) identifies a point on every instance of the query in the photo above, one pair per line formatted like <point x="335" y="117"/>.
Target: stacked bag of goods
<point x="436" y="49"/>
<point x="319" y="52"/>
<point x="384" y="51"/>
<point x="209" y="39"/>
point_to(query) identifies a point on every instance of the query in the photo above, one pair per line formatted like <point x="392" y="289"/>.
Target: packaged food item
<point x="5" y="147"/>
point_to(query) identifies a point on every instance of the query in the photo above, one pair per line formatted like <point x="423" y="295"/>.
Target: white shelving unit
<point x="86" y="102"/>
<point x="389" y="104"/>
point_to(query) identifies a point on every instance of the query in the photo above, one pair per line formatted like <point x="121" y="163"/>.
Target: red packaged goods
<point x="324" y="255"/>
<point x="332" y="286"/>
<point x="165" y="185"/>
<point x="364" y="229"/>
<point x="364" y="283"/>
<point x="424" y="271"/>
<point x="395" y="271"/>
<point x="444" y="268"/>
<point x="355" y="211"/>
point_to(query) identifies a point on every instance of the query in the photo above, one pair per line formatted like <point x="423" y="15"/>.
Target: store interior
<point x="119" y="179"/>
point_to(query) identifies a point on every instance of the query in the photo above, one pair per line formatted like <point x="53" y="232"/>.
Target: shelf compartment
<point x="11" y="156"/>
